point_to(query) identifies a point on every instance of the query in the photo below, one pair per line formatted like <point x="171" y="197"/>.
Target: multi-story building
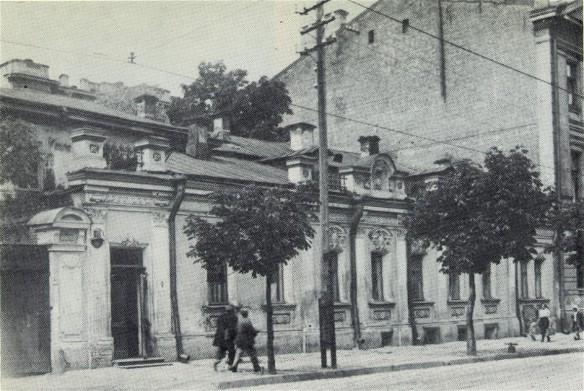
<point x="449" y="79"/>
<point x="86" y="270"/>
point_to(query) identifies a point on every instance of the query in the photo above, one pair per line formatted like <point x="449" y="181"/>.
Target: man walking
<point x="225" y="335"/>
<point x="245" y="342"/>
<point x="577" y="322"/>
<point x="544" y="321"/>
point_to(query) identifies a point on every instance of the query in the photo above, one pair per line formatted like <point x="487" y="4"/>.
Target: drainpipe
<point x="354" y="223"/>
<point x="559" y="255"/>
<point x="179" y="183"/>
<point x="517" y="304"/>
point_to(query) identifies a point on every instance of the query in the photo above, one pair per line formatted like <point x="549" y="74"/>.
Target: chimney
<point x="221" y="127"/>
<point x="146" y="106"/>
<point x="87" y="147"/>
<point x="151" y="152"/>
<point x="369" y="145"/>
<point x="27" y="75"/>
<point x="336" y="25"/>
<point x="301" y="168"/>
<point x="198" y="141"/>
<point x="64" y="80"/>
<point x="301" y="136"/>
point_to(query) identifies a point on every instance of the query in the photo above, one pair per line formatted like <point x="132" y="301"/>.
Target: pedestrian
<point x="543" y="321"/>
<point x="577" y="322"/>
<point x="533" y="328"/>
<point x="245" y="342"/>
<point x="225" y="335"/>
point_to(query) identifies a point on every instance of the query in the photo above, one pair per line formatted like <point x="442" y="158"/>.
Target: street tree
<point x="258" y="229"/>
<point x="20" y="153"/>
<point x="477" y="215"/>
<point x="255" y="109"/>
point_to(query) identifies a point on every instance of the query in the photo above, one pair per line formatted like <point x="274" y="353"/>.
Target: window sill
<point x="339" y="304"/>
<point x="422" y="303"/>
<point x="539" y="300"/>
<point x="214" y="307"/>
<point x="280" y="307"/>
<point x="490" y="301"/>
<point x="457" y="302"/>
<point x="382" y="304"/>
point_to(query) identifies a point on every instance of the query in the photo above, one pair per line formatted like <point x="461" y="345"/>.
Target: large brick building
<point x="408" y="71"/>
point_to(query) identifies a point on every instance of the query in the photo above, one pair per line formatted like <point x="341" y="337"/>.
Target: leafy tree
<point x="255" y="108"/>
<point x="567" y="221"/>
<point x="258" y="229"/>
<point x="476" y="216"/>
<point x="20" y="153"/>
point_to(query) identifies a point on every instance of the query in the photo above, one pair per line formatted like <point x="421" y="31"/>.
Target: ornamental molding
<point x="380" y="239"/>
<point x="160" y="219"/>
<point x="337" y="237"/>
<point x="128" y="199"/>
<point x="96" y="215"/>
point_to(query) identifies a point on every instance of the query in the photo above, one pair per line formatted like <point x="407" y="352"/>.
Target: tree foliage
<point x="255" y="109"/>
<point x="477" y="215"/>
<point x="20" y="153"/>
<point x="567" y="221"/>
<point x="257" y="229"/>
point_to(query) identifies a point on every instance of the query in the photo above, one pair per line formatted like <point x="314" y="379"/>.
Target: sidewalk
<point x="199" y="375"/>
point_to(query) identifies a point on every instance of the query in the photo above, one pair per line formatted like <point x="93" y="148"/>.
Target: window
<point x="523" y="280"/>
<point x="371" y="36"/>
<point x="217" y="285"/>
<point x="487" y="294"/>
<point x="416" y="277"/>
<point x="580" y="277"/>
<point x="572" y="86"/>
<point x="278" y="285"/>
<point x="577" y="174"/>
<point x="537" y="268"/>
<point x="377" y="276"/>
<point x="454" y="286"/>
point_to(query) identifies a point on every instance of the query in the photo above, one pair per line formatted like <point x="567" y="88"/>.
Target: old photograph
<point x="291" y="195"/>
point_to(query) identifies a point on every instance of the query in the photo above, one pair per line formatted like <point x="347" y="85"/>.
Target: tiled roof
<point x="73" y="103"/>
<point x="226" y="168"/>
<point x="253" y="147"/>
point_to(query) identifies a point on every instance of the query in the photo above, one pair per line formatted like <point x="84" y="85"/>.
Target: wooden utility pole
<point x="326" y="301"/>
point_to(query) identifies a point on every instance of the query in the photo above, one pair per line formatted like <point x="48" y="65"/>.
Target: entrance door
<point x="128" y="303"/>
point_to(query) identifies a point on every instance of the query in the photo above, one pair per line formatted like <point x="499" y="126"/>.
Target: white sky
<point x="95" y="38"/>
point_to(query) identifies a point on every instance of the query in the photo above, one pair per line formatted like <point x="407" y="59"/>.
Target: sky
<point x="93" y="39"/>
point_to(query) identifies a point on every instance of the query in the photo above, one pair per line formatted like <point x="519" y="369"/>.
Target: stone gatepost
<point x="64" y="231"/>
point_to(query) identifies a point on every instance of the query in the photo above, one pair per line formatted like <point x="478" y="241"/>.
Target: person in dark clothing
<point x="225" y="335"/>
<point x="245" y="342"/>
<point x="577" y="322"/>
<point x="544" y="322"/>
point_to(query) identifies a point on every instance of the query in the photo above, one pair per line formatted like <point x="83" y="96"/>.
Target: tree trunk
<point x="270" y="325"/>
<point x="471" y="343"/>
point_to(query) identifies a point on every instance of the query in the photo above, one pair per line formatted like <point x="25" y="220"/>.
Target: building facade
<point x="450" y="79"/>
<point x="87" y="273"/>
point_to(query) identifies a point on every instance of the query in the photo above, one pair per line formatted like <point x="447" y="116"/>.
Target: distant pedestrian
<point x="245" y="342"/>
<point x="533" y="328"/>
<point x="225" y="335"/>
<point x="543" y="321"/>
<point x="577" y="322"/>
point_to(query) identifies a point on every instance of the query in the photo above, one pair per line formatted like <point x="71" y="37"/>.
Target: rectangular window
<point x="417" y="277"/>
<point x="580" y="277"/>
<point x="523" y="280"/>
<point x="487" y="294"/>
<point x="377" y="276"/>
<point x="371" y="36"/>
<point x="454" y="286"/>
<point x="278" y="285"/>
<point x="537" y="268"/>
<point x="572" y="86"/>
<point x="577" y="174"/>
<point x="217" y="285"/>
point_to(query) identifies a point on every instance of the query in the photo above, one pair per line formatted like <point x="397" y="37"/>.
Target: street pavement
<point x="199" y="375"/>
<point x="561" y="372"/>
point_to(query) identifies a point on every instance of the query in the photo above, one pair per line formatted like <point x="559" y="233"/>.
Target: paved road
<point x="562" y="372"/>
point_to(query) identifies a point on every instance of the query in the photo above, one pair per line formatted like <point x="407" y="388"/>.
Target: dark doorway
<point x="26" y="314"/>
<point x="128" y="303"/>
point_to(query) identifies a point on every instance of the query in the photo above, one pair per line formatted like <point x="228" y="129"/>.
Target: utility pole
<point x="326" y="301"/>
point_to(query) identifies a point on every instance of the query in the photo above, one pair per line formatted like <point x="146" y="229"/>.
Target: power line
<point x="468" y="50"/>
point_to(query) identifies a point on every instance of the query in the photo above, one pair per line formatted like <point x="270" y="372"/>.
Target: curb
<point x="339" y="373"/>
